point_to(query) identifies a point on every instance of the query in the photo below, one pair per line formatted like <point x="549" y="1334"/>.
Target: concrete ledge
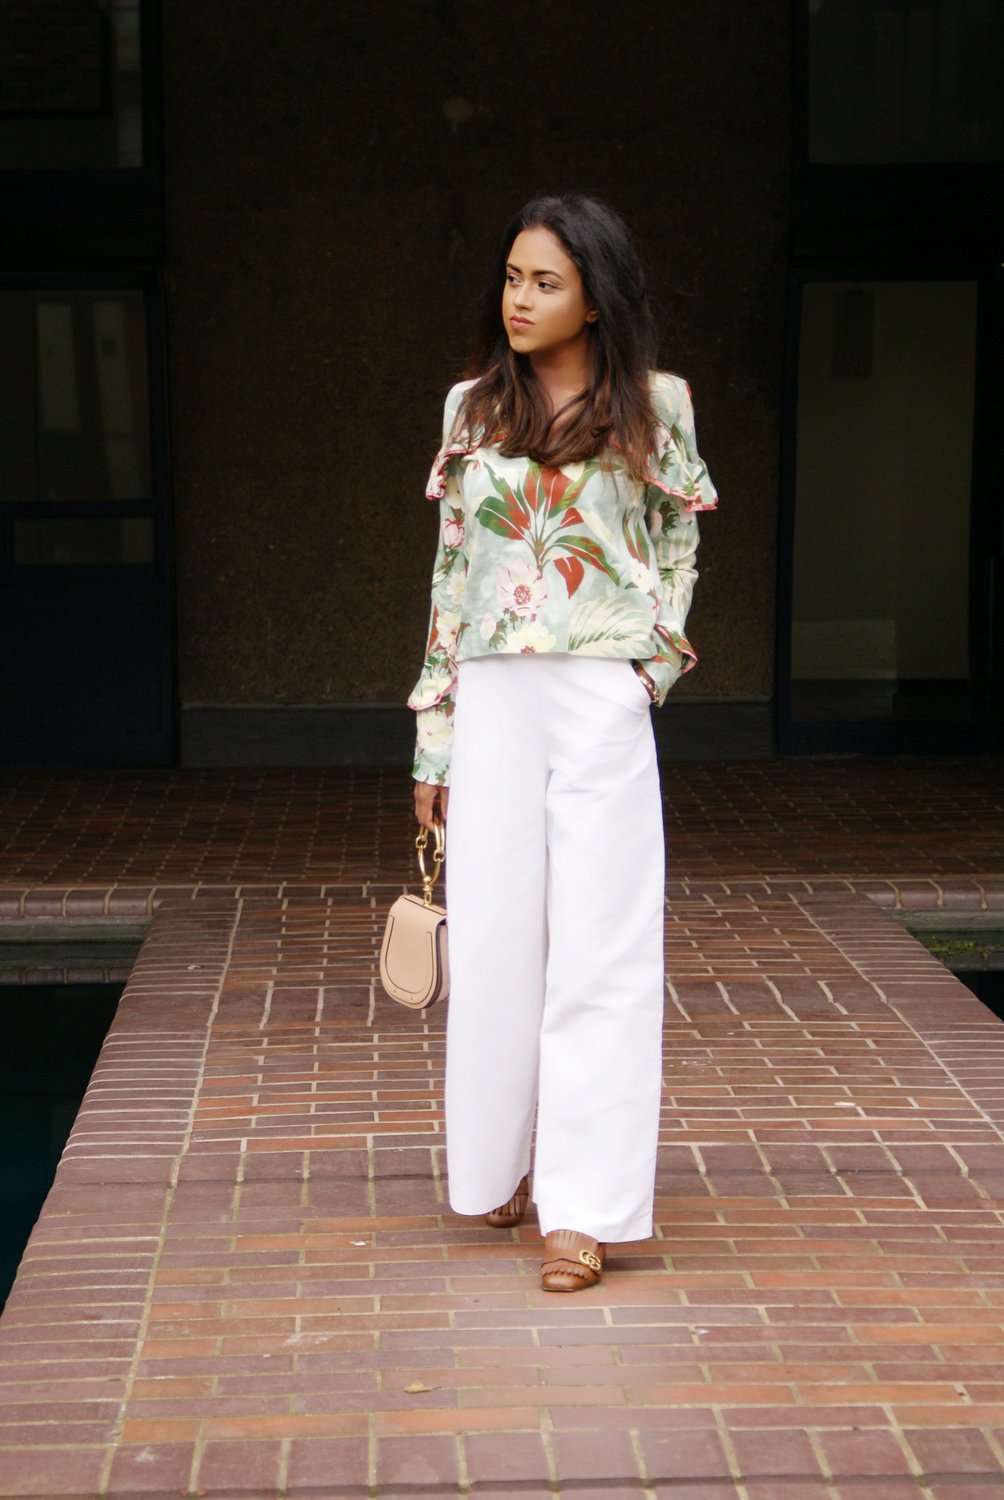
<point x="382" y="734"/>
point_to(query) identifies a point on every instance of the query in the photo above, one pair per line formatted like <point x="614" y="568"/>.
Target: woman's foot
<point x="571" y="1261"/>
<point x="508" y="1215"/>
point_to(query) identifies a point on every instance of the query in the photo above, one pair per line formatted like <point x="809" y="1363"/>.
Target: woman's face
<point x="544" y="306"/>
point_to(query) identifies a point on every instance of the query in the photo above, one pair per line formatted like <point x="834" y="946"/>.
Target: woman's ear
<point x="592" y="315"/>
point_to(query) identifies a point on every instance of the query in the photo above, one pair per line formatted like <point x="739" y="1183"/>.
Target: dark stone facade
<point x="337" y="177"/>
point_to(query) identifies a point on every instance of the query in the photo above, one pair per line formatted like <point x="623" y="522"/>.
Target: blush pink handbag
<point x="414" y="960"/>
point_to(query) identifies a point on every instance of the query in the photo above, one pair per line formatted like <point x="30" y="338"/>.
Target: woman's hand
<point x="430" y="803"/>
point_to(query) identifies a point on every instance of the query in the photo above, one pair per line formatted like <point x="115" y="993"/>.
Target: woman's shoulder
<point x="456" y="440"/>
<point x="454" y="399"/>
<point x="457" y="392"/>
<point x="670" y="393"/>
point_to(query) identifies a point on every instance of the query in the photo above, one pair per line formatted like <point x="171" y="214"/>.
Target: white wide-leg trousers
<point x="554" y="881"/>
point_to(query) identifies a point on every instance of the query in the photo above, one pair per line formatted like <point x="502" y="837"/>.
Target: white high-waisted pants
<point x="554" y="882"/>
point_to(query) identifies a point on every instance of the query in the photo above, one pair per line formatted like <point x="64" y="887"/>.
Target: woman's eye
<point x="546" y="286"/>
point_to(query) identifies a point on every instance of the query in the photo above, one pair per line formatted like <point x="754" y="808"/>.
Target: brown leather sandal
<point x="508" y="1215"/>
<point x="571" y="1261"/>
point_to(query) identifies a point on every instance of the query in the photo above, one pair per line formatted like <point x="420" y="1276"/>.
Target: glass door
<point x="84" y="554"/>
<point x="885" y="634"/>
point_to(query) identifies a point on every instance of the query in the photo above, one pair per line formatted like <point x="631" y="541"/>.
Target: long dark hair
<point x="506" y="405"/>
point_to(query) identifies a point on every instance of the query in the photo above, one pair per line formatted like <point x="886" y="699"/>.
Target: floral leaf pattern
<point x="536" y="509"/>
<point x="572" y="572"/>
<point x="580" y="558"/>
<point x="610" y="627"/>
<point x="506" y="512"/>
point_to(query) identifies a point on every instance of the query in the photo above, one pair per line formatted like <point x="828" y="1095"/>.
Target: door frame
<point x="157" y="747"/>
<point x="986" y="566"/>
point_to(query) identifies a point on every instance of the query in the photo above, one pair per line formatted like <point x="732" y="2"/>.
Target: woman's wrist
<point x="648" y="684"/>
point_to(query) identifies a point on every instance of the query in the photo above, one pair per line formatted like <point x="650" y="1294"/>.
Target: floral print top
<point x="580" y="558"/>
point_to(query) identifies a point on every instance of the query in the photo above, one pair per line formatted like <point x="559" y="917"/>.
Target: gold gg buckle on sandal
<point x="592" y="1261"/>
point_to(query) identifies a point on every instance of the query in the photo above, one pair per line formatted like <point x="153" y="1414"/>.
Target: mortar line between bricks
<point x="438" y="1185"/>
<point x="728" y="1447"/>
<point x="546" y="1426"/>
<point x="285" y="1450"/>
<point x="782" y="1003"/>
<point x="464" y="1483"/>
<point x="144" y="1324"/>
<point x="995" y="1445"/>
<point x="198" y="1454"/>
<point x="371" y="1199"/>
<point x="371" y="1450"/>
<point x="304" y="1203"/>
<point x="267" y="1008"/>
<point x="915" y="1468"/>
<point x="639" y="1458"/>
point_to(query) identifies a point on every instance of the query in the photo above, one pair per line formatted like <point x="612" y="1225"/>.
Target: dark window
<point x="900" y="81"/>
<point x="70" y="94"/>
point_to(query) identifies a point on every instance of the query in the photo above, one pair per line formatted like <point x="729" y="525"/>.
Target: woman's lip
<point x="521" y="322"/>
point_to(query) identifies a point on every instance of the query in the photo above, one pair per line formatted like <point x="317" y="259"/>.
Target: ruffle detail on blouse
<point x="683" y="478"/>
<point x="432" y="688"/>
<point x="678" y="640"/>
<point x="458" y="447"/>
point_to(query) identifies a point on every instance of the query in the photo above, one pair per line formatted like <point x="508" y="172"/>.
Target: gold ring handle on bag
<point x="438" y="855"/>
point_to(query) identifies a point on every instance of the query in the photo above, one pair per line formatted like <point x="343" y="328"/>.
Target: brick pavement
<point x="246" y="1281"/>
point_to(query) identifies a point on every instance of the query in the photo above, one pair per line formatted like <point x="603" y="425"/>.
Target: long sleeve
<point x="675" y="545"/>
<point x="679" y="487"/>
<point x="433" y="694"/>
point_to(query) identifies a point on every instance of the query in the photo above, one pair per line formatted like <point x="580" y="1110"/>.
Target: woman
<point x="568" y="482"/>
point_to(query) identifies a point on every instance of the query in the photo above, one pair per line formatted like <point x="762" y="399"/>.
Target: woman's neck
<point x="562" y="373"/>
